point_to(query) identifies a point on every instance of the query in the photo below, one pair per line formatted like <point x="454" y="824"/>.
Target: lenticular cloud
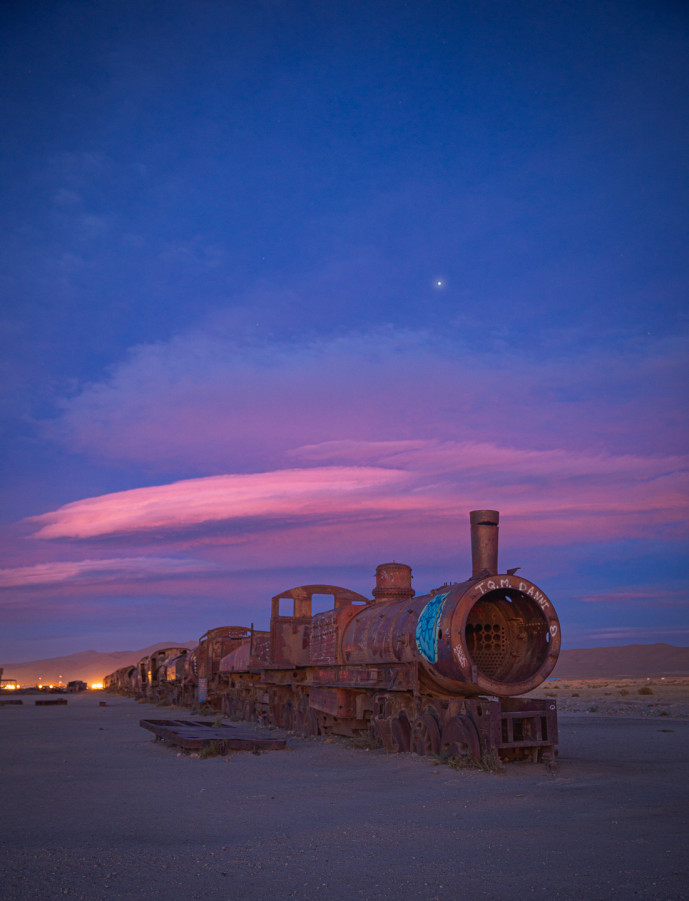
<point x="552" y="496"/>
<point x="297" y="492"/>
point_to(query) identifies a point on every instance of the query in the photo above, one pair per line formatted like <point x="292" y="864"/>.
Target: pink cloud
<point x="292" y="493"/>
<point x="418" y="505"/>
<point x="469" y="456"/>
<point x="120" y="568"/>
<point x="202" y="403"/>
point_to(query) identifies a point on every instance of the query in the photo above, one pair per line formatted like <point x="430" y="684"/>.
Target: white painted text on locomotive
<point x="493" y="585"/>
<point x="534" y="593"/>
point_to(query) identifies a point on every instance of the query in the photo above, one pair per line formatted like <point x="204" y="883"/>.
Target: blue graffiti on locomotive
<point x="427" y="628"/>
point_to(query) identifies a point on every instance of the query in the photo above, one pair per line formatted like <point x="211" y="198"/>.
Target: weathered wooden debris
<point x="194" y="735"/>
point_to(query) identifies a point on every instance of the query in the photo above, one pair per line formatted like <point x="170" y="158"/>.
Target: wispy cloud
<point x="402" y="487"/>
<point x="298" y="493"/>
<point x="207" y="402"/>
<point x="120" y="568"/>
<point x="639" y="634"/>
<point x="637" y="597"/>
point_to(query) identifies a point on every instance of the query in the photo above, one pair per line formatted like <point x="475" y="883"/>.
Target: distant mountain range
<point x="631" y="660"/>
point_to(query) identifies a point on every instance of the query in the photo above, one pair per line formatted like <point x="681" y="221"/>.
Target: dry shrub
<point x="212" y="749"/>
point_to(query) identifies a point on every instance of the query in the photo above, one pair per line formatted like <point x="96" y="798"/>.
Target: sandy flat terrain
<point x="94" y="809"/>
<point x="662" y="696"/>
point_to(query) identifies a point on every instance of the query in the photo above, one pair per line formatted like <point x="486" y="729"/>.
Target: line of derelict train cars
<point x="435" y="674"/>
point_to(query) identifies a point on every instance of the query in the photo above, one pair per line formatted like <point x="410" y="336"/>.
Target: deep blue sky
<point x="238" y="234"/>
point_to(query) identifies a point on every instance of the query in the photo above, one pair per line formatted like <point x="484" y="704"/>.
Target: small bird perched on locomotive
<point x="437" y="674"/>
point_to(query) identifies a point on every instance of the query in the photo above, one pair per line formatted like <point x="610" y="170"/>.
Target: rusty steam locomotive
<point x="434" y="674"/>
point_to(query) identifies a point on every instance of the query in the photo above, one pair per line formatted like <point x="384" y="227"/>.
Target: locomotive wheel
<point x="401" y="732"/>
<point x="425" y="736"/>
<point x="381" y="730"/>
<point x="460" y="739"/>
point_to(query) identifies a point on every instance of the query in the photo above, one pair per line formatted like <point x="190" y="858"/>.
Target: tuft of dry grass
<point x="212" y="749"/>
<point x="362" y="741"/>
<point x="489" y="763"/>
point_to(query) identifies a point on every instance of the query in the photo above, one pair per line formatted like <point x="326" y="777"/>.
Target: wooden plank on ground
<point x="193" y="735"/>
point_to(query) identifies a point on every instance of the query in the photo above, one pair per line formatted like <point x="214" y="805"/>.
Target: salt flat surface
<point x="93" y="808"/>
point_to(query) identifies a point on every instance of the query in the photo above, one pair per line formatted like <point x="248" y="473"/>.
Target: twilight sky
<point x="290" y="287"/>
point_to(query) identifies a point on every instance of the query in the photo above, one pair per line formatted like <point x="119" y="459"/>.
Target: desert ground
<point x="660" y="696"/>
<point x="94" y="808"/>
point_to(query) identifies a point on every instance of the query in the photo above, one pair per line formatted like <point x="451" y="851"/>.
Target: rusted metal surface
<point x="193" y="735"/>
<point x="251" y="655"/>
<point x="291" y="621"/>
<point x="499" y="636"/>
<point x="436" y="674"/>
<point x="484" y="542"/>
<point x="393" y="582"/>
<point x="212" y="647"/>
<point x="123" y="681"/>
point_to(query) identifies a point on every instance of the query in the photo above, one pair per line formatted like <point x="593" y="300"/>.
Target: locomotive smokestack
<point x="484" y="542"/>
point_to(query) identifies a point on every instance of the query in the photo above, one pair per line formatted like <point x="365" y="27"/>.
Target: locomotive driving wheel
<point x="401" y="732"/>
<point x="460" y="739"/>
<point x="425" y="736"/>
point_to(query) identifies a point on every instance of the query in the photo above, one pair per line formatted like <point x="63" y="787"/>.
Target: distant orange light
<point x="96" y="685"/>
